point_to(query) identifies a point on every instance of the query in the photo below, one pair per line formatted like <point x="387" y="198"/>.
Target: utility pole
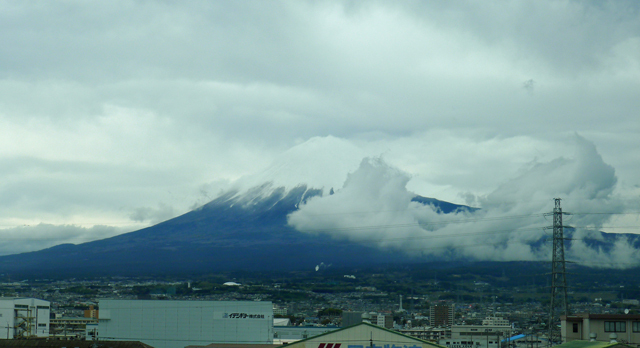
<point x="486" y="332"/>
<point x="559" y="304"/>
<point x="95" y="339"/>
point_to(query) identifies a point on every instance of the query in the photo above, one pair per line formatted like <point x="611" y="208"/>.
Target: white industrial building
<point x="22" y="317"/>
<point x="488" y="335"/>
<point x="176" y="324"/>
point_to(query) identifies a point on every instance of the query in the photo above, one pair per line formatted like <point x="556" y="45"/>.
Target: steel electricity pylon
<point x="559" y="304"/>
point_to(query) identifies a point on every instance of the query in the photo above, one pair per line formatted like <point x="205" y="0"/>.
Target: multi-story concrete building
<point x="495" y="321"/>
<point x="384" y="320"/>
<point x="277" y="310"/>
<point x="66" y="328"/>
<point x="478" y="336"/>
<point x="351" y="318"/>
<point x="22" y="317"/>
<point x="425" y="333"/>
<point x="380" y="319"/>
<point x="626" y="327"/>
<point x="441" y="315"/>
<point x="176" y="324"/>
<point x="91" y="313"/>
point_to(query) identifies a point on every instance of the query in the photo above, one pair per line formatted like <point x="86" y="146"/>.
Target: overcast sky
<point x="115" y="115"/>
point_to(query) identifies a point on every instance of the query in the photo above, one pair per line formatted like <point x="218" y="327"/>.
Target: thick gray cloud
<point x="119" y="113"/>
<point x="375" y="207"/>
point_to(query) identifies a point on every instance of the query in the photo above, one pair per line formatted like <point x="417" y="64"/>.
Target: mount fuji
<point x="232" y="232"/>
<point x="329" y="202"/>
<point x="247" y="227"/>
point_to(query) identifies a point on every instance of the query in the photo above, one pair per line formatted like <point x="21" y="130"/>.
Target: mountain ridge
<point x="233" y="232"/>
<point x="230" y="232"/>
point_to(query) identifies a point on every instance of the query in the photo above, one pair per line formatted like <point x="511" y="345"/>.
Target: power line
<point x="607" y="213"/>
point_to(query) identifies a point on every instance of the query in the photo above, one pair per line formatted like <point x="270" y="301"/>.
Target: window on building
<point x="615" y="326"/>
<point x="635" y="326"/>
<point x="575" y="327"/>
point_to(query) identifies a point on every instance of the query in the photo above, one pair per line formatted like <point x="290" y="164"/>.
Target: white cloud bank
<point x="374" y="207"/>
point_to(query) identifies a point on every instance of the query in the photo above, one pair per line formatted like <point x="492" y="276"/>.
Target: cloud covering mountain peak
<point x="320" y="163"/>
<point x="375" y="207"/>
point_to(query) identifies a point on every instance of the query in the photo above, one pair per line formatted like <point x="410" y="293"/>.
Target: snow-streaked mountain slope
<point x="320" y="162"/>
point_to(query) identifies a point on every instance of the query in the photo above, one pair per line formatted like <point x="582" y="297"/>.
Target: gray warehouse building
<point x="176" y="324"/>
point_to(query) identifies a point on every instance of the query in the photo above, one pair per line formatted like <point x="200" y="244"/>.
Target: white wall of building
<point x="495" y="321"/>
<point x="24" y="317"/>
<point x="6" y="318"/>
<point x="176" y="324"/>
<point x="478" y="336"/>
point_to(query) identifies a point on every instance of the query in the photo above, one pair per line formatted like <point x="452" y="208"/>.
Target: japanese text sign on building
<point x="242" y="316"/>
